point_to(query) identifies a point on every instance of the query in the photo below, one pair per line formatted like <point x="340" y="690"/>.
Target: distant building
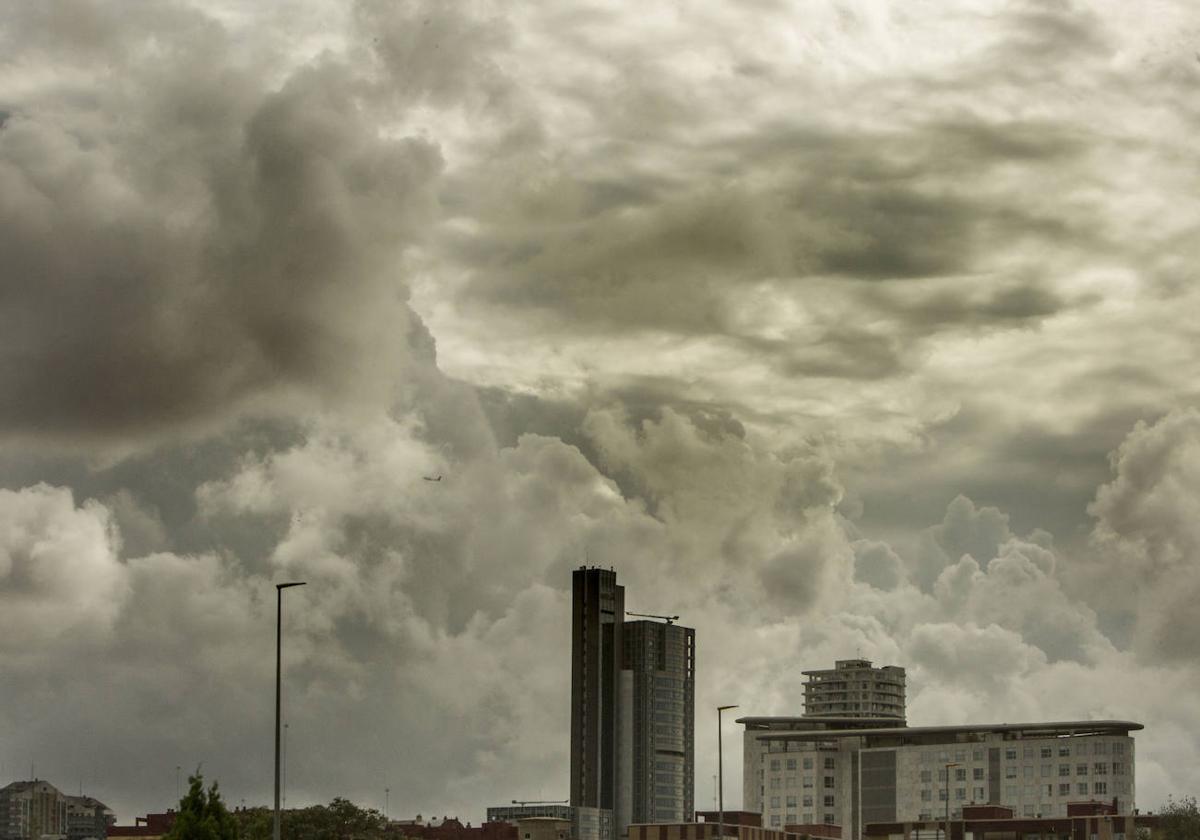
<point x="1083" y="821"/>
<point x="740" y="825"/>
<point x="543" y="828"/>
<point x="851" y="772"/>
<point x="513" y="813"/>
<point x="657" y="732"/>
<point x="149" y="827"/>
<point x="597" y="616"/>
<point x="855" y="689"/>
<point x="30" y="810"/>
<point x="450" y="828"/>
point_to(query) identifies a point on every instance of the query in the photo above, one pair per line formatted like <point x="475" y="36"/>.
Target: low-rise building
<point x="30" y="810"/>
<point x="1083" y="821"/>
<point x="849" y="772"/>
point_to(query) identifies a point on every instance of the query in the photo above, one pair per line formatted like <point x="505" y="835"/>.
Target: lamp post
<point x="279" y="587"/>
<point x="387" y="800"/>
<point x="720" y="776"/>
<point x="948" y="766"/>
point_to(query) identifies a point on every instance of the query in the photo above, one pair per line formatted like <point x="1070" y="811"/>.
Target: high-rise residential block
<point x="597" y="615"/>
<point x="658" y="723"/>
<point x="855" y="689"/>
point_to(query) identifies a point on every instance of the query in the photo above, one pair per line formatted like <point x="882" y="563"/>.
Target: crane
<point x="670" y="619"/>
<point x="524" y="802"/>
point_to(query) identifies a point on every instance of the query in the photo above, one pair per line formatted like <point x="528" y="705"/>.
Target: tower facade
<point x="855" y="689"/>
<point x="658" y="723"/>
<point x="597" y="615"/>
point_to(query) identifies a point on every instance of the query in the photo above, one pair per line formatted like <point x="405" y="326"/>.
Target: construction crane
<point x="670" y="619"/>
<point x="524" y="802"/>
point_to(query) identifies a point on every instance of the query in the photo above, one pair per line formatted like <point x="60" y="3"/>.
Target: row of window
<point x="790" y="763"/>
<point x="1079" y="747"/>
<point x="776" y="821"/>
<point x="777" y="782"/>
<point x="1013" y="792"/>
<point x="808" y="801"/>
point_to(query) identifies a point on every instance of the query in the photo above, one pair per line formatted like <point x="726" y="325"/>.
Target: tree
<point x="202" y="815"/>
<point x="341" y="819"/>
<point x="1179" y="819"/>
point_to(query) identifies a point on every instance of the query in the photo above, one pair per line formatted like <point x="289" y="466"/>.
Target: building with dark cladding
<point x="597" y="615"/>
<point x="658" y="710"/>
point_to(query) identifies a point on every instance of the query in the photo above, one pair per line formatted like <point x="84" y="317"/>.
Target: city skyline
<point x="845" y="330"/>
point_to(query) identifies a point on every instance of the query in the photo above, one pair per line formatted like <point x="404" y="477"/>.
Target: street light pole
<point x="721" y="776"/>
<point x="948" y="766"/>
<point x="279" y="587"/>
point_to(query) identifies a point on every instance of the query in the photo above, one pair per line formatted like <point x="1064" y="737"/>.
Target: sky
<point x="839" y="329"/>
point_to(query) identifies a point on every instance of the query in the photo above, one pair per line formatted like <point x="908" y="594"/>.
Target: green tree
<point x="341" y="819"/>
<point x="202" y="815"/>
<point x="1179" y="819"/>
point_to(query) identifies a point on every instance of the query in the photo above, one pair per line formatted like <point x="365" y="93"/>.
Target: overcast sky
<point x="838" y="328"/>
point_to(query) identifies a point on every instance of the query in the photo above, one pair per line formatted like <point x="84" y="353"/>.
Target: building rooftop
<point x="1053" y="729"/>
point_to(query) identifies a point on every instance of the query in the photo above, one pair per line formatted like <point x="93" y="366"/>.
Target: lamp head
<point x="723" y="708"/>
<point x="293" y="583"/>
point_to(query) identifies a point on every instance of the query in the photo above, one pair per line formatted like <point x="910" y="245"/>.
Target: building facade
<point x="657" y="733"/>
<point x="597" y="615"/>
<point x="855" y="689"/>
<point x="806" y="770"/>
<point x="30" y="810"/>
<point x="523" y="811"/>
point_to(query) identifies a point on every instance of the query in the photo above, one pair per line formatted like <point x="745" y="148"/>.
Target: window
<point x="791" y="819"/>
<point x="791" y="802"/>
<point x="1010" y="772"/>
<point x="829" y="781"/>
<point x="1064" y="749"/>
<point x="1100" y="748"/>
<point x="808" y="802"/>
<point x="942" y="795"/>
<point x="1029" y="792"/>
<point x="775" y="820"/>
<point x="1049" y="790"/>
<point x="828" y="800"/>
<point x="774" y="801"/>
<point x="1010" y="754"/>
<point x="830" y="762"/>
<point x="808" y="762"/>
<point x="1064" y="769"/>
<point x="774" y="763"/>
<point x="808" y="819"/>
<point x="1029" y="810"/>
<point x="1047" y="771"/>
<point x="775" y="783"/>
<point x="829" y="819"/>
<point x="1064" y="789"/>
<point x="1100" y="768"/>
<point x="979" y="795"/>
<point x="791" y="764"/>
<point x="1081" y="788"/>
<point x="1100" y="787"/>
<point x="1012" y="792"/>
<point x="1028" y="752"/>
<point x="1028" y="771"/>
<point x="1081" y="769"/>
<point x="960" y="755"/>
<point x="960" y="774"/>
<point x="926" y="776"/>
<point x="960" y="793"/>
<point x="1118" y="768"/>
<point x="790" y="781"/>
<point x="1118" y="748"/>
<point x="942" y="775"/>
<point x="926" y="796"/>
<point x="925" y="816"/>
<point x="1081" y="748"/>
<point x="977" y="755"/>
<point x="977" y="774"/>
<point x="1047" y="752"/>
<point x="808" y="781"/>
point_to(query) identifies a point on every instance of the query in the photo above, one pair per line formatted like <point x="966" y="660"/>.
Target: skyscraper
<point x="855" y="689"/>
<point x="657" y="723"/>
<point x="597" y="615"/>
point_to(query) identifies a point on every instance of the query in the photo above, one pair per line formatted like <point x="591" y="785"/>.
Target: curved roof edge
<point x="1064" y="727"/>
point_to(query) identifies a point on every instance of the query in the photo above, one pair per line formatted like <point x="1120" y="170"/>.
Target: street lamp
<point x="948" y="766"/>
<point x="279" y="587"/>
<point x="720" y="776"/>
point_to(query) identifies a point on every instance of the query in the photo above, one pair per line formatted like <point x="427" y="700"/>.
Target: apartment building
<point x="853" y="688"/>
<point x="849" y="772"/>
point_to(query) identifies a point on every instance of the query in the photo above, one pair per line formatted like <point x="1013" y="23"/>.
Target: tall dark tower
<point x="596" y="652"/>
<point x="660" y="664"/>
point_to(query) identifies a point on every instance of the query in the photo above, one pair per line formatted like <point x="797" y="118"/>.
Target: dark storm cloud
<point x="247" y="248"/>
